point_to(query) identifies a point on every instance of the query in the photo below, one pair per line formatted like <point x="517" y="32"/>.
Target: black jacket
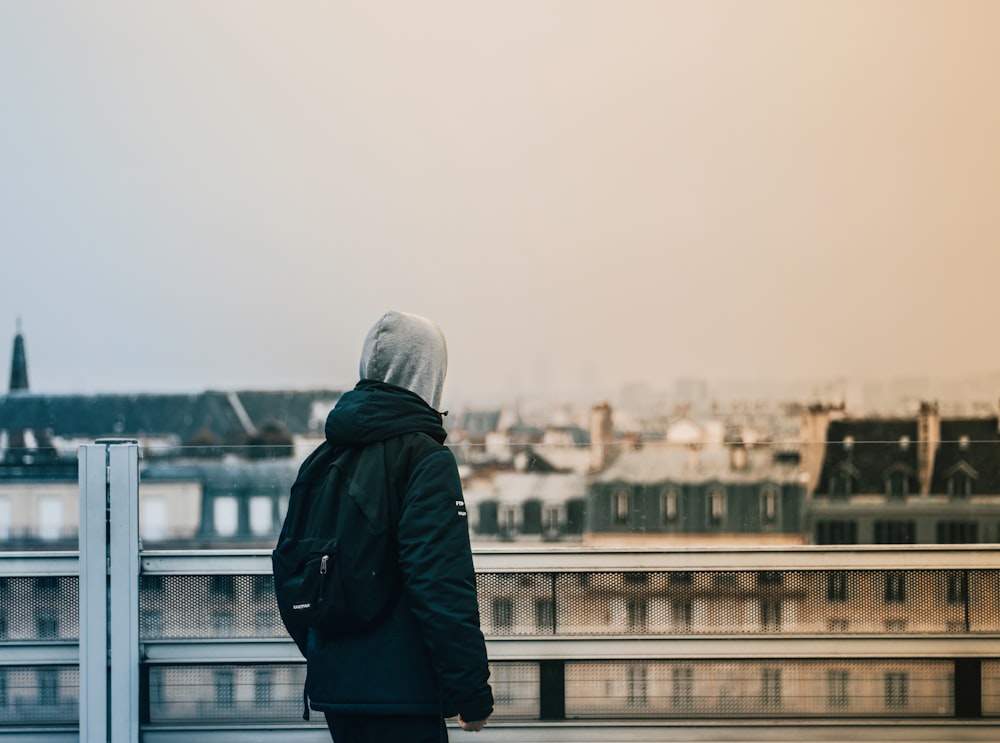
<point x="429" y="657"/>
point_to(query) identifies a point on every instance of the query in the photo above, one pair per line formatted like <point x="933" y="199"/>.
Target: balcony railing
<point x="586" y="644"/>
<point x="764" y="644"/>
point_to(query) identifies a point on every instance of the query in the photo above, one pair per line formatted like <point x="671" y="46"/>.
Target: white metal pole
<point x="93" y="474"/>
<point x="123" y="459"/>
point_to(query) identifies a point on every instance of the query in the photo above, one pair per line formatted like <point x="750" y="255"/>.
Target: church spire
<point x="19" y="363"/>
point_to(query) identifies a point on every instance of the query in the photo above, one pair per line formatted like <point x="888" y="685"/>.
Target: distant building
<point x="923" y="480"/>
<point x="671" y="494"/>
<point x="216" y="466"/>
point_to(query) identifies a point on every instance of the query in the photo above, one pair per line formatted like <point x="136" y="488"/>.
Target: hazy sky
<point x="227" y="194"/>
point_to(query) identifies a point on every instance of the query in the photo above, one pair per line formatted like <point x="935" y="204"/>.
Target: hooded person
<point x="427" y="661"/>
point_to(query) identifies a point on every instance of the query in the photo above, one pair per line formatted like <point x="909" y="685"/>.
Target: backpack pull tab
<point x="322" y="564"/>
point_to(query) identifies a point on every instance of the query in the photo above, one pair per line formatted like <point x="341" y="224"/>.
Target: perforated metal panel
<point x="39" y="695"/>
<point x="515" y="690"/>
<point x="750" y="602"/>
<point x="204" y="606"/>
<point x="39" y="608"/>
<point x="758" y="688"/>
<point x="991" y="688"/>
<point x="251" y="693"/>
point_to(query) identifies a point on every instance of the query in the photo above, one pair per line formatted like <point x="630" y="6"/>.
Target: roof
<point x="224" y="414"/>
<point x="868" y="449"/>
<point x="974" y="441"/>
<point x="659" y="464"/>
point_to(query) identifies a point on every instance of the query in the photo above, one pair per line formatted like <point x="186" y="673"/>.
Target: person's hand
<point x="473" y="727"/>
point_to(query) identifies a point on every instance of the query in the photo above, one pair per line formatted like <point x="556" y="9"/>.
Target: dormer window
<point x="960" y="485"/>
<point x="842" y="480"/>
<point x="897" y="485"/>
<point x="960" y="478"/>
<point x="898" y="480"/>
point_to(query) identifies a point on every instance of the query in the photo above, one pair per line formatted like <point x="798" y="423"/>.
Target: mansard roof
<point x="226" y="415"/>
<point x="869" y="448"/>
<point x="974" y="442"/>
<point x="683" y="465"/>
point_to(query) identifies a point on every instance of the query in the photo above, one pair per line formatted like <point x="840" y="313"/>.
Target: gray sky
<point x="201" y="195"/>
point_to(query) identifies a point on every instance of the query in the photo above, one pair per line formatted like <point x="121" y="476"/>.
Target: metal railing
<point x="776" y="643"/>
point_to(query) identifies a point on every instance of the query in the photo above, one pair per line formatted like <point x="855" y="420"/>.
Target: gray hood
<point x="408" y="351"/>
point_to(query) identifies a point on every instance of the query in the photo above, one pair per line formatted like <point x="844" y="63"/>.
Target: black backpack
<point x="336" y="561"/>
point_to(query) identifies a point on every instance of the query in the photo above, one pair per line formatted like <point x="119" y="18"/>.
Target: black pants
<point x="386" y="729"/>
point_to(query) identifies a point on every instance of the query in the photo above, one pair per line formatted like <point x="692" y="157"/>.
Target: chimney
<point x="928" y="440"/>
<point x="601" y="437"/>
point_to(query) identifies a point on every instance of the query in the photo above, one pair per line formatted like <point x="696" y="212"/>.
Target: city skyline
<point x="583" y="195"/>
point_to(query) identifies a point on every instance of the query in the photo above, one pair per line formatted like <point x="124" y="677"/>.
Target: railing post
<point x="109" y="591"/>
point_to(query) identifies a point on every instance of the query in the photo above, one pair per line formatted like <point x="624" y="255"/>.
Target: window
<point x="836" y="587"/>
<point x="956" y="588"/>
<point x="47" y="624"/>
<point x="503" y="614"/>
<point x="680" y="616"/>
<point x="637" y="613"/>
<point x="619" y="504"/>
<point x="681" y="686"/>
<point x="225" y="515"/>
<point x="957" y="532"/>
<point x="681" y="578"/>
<point x="151" y="623"/>
<point x="841" y="485"/>
<point x="897" y="485"/>
<point x="668" y="506"/>
<point x="263" y="687"/>
<point x="48" y="686"/>
<point x="508" y="521"/>
<point x="769" y="506"/>
<point x="897" y="691"/>
<point x="636" y="676"/>
<point x="544" y="615"/>
<point x="770" y="578"/>
<point x="836" y="531"/>
<point x="550" y="520"/>
<point x="222" y="586"/>
<point x="151" y="584"/>
<point x="575" y="516"/>
<point x="47" y="585"/>
<point x="895" y="588"/>
<point x="4" y="519"/>
<point x="716" y="506"/>
<point x="770" y="616"/>
<point x="836" y="625"/>
<point x="261" y="515"/>
<point x="770" y="691"/>
<point x="50" y="518"/>
<point x="4" y="697"/>
<point x="264" y="620"/>
<point x="153" y="519"/>
<point x="222" y="622"/>
<point x="3" y="623"/>
<point x="636" y="579"/>
<point x="263" y="586"/>
<point x="489" y="522"/>
<point x="224" y="688"/>
<point x="531" y="517"/>
<point x="836" y="689"/>
<point x="960" y="485"/>
<point x="895" y="532"/>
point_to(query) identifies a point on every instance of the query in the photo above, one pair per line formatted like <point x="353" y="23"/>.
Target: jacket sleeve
<point x="436" y="559"/>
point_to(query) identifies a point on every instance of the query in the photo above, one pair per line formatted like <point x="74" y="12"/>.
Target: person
<point x="397" y="682"/>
